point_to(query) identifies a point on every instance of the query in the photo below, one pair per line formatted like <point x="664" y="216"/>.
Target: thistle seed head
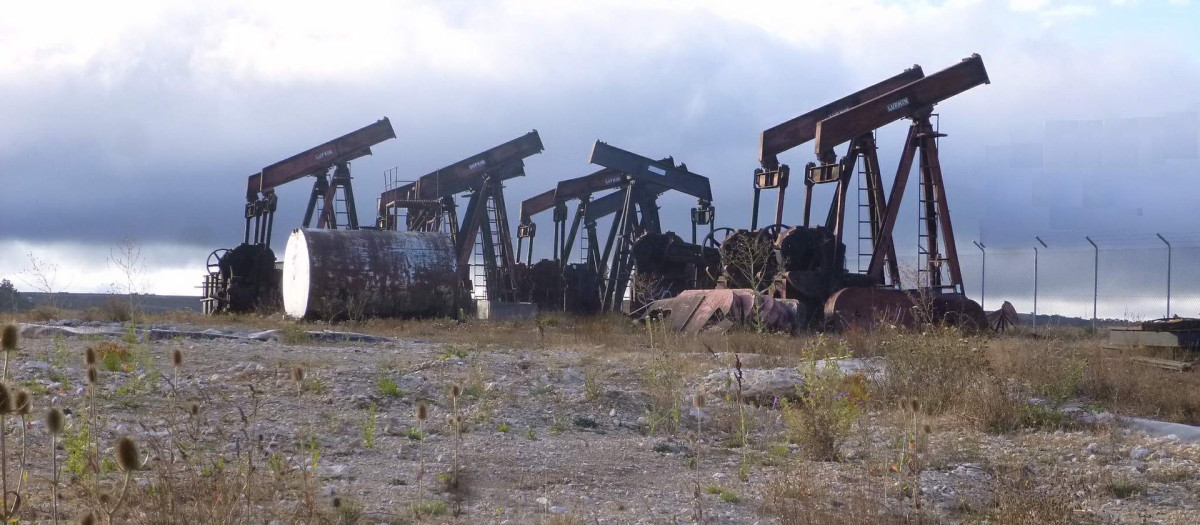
<point x="127" y="454"/>
<point x="93" y="376"/>
<point x="22" y="402"/>
<point x="6" y="399"/>
<point x="9" y="338"/>
<point x="337" y="503"/>
<point x="916" y="405"/>
<point x="928" y="429"/>
<point x="422" y="411"/>
<point x="177" y="357"/>
<point x="455" y="390"/>
<point x="88" y="519"/>
<point x="89" y="356"/>
<point x="698" y="400"/>
<point x="297" y="373"/>
<point x="55" y="421"/>
<point x="194" y="409"/>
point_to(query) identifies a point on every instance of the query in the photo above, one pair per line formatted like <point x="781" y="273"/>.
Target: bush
<point x="116" y="310"/>
<point x="294" y="334"/>
<point x="46" y="313"/>
<point x="829" y="406"/>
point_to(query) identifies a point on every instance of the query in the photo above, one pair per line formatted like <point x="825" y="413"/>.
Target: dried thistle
<point x="422" y="412"/>
<point x="10" y="337"/>
<point x="337" y="502"/>
<point x="928" y="430"/>
<point x="89" y="356"/>
<point x="454" y="390"/>
<point x="127" y="454"/>
<point x="23" y="402"/>
<point x="55" y="421"/>
<point x="177" y="358"/>
<point x="88" y="519"/>
<point x="6" y="399"/>
<point x="93" y="376"/>
<point x="194" y="410"/>
<point x="297" y="373"/>
<point x="915" y="404"/>
<point x="698" y="400"/>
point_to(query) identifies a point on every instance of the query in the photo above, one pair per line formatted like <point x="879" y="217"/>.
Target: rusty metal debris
<point x="694" y="311"/>
<point x="1004" y="318"/>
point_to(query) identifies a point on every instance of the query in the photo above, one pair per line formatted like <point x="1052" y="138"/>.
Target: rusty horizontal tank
<point x="337" y="274"/>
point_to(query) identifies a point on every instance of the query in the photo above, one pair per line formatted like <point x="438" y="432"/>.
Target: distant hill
<point x="147" y="302"/>
<point x="1059" y="320"/>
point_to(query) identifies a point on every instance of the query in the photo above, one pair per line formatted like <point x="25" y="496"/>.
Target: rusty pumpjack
<point x="664" y="262"/>
<point x="246" y="278"/>
<point x="482" y="233"/>
<point x="809" y="261"/>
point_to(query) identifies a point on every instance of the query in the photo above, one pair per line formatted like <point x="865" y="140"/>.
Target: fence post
<point x="982" y="275"/>
<point x="1095" y="280"/>
<point x="1035" y="278"/>
<point x="1164" y="240"/>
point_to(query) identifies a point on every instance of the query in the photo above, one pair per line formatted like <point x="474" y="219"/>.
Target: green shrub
<point x="388" y="387"/>
<point x="830" y="404"/>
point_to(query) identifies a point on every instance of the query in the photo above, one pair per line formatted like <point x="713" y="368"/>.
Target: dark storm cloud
<point x="153" y="157"/>
<point x="155" y="138"/>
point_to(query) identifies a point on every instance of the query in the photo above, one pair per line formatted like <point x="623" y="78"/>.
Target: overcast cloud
<point x="142" y="119"/>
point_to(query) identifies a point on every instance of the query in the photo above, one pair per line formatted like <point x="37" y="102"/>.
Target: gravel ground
<point x="549" y="434"/>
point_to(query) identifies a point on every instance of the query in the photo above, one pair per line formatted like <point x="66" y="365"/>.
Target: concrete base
<point x="499" y="311"/>
<point x="1138" y="337"/>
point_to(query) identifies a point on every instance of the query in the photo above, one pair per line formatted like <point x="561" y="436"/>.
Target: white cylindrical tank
<point x="335" y="274"/>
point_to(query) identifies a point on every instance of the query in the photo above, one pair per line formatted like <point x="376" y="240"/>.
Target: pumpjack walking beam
<point x="578" y="188"/>
<point x="335" y="154"/>
<point x="913" y="101"/>
<point x="797" y="131"/>
<point x="642" y="171"/>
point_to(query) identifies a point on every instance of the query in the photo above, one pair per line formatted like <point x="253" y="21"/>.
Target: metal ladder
<point x="866" y="243"/>
<point x="485" y="272"/>
<point x="924" y="265"/>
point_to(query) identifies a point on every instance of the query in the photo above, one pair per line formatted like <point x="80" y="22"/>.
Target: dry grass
<point x="981" y="381"/>
<point x="1081" y="369"/>
<point x="1020" y="500"/>
<point x="804" y="495"/>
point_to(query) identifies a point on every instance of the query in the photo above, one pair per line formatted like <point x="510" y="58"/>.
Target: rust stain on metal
<point x="333" y="274"/>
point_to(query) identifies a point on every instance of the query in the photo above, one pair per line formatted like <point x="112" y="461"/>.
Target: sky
<point x="141" y="119"/>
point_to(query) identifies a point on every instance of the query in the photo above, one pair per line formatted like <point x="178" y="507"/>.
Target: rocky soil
<point x="555" y="435"/>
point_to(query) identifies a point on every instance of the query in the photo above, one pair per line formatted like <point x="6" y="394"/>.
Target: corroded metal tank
<point x="331" y="274"/>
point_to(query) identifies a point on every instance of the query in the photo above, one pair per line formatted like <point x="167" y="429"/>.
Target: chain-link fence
<point x="1127" y="278"/>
